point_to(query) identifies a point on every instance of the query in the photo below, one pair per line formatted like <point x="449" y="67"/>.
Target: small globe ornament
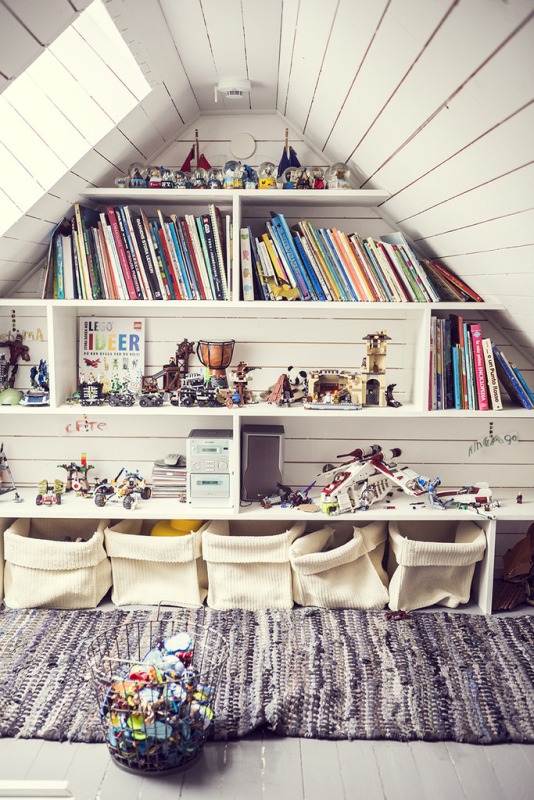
<point x="167" y="178"/>
<point x="317" y="177"/>
<point x="215" y="178"/>
<point x="338" y="176"/>
<point x="122" y="182"/>
<point x="233" y="175"/>
<point x="267" y="175"/>
<point x="154" y="177"/>
<point x="137" y="175"/>
<point x="179" y="179"/>
<point x="200" y="178"/>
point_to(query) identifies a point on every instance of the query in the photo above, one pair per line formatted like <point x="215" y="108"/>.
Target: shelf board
<point x="338" y="197"/>
<point x="73" y="507"/>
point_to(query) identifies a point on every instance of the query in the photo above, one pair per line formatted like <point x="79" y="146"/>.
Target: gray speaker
<point x="262" y="460"/>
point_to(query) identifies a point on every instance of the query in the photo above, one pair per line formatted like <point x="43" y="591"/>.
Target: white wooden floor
<point x="273" y="768"/>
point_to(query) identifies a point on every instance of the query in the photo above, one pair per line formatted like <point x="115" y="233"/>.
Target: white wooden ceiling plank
<point x="140" y="130"/>
<point x="188" y="29"/>
<point x="470" y="167"/>
<point x="44" y="20"/>
<point x="307" y="60"/>
<point x="93" y="74"/>
<point x="19" y="184"/>
<point x="57" y="82"/>
<point x="162" y="112"/>
<point x="290" y="9"/>
<point x="507" y="194"/>
<point x="19" y="48"/>
<point x="500" y="88"/>
<point x="116" y="148"/>
<point x="262" y="23"/>
<point x="498" y="262"/>
<point x="341" y="64"/>
<point x="94" y="168"/>
<point x="106" y="40"/>
<point x="49" y="208"/>
<point x="494" y="234"/>
<point x="517" y="293"/>
<point x="225" y="26"/>
<point x="32" y="228"/>
<point x="409" y="23"/>
<point x="47" y="120"/>
<point x="69" y="187"/>
<point x="9" y="212"/>
<point x="22" y="250"/>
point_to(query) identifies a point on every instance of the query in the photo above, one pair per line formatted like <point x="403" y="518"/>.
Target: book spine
<point x="122" y="290"/>
<point x="456" y="377"/>
<point x="337" y="266"/>
<point x="402" y="271"/>
<point x="121" y="252"/>
<point x="311" y="267"/>
<point x="247" y="284"/>
<point x="319" y="271"/>
<point x="455" y="281"/>
<point x="385" y="268"/>
<point x="376" y="260"/>
<point x="323" y="256"/>
<point x="259" y="257"/>
<point x="176" y="279"/>
<point x="160" y="260"/>
<point x="472" y="399"/>
<point x="208" y="235"/>
<point x="190" y="278"/>
<point x="82" y="256"/>
<point x="280" y="226"/>
<point x="396" y="276"/>
<point x="479" y="366"/>
<point x="128" y="249"/>
<point x="278" y="267"/>
<point x="494" y="389"/>
<point x="362" y="261"/>
<point x="147" y="262"/>
<point x="159" y="271"/>
<point x="218" y="237"/>
<point x="509" y="379"/>
<point x="59" y="276"/>
<point x="137" y="256"/>
<point x="189" y="256"/>
<point x="100" y="263"/>
<point x="196" y="261"/>
<point x="521" y="378"/>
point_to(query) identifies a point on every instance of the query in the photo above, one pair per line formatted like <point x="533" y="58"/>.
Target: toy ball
<point x="10" y="397"/>
<point x="175" y="527"/>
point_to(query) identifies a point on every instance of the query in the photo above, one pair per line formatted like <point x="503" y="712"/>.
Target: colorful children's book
<point x="494" y="390"/>
<point x="111" y="351"/>
<point x="509" y="380"/>
<point x="475" y="330"/>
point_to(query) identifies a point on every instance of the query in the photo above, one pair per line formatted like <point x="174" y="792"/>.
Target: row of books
<point x="121" y="254"/>
<point x="328" y="264"/>
<point x="467" y="370"/>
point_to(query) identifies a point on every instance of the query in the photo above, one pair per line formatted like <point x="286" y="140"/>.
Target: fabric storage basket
<point x="42" y="569"/>
<point x="148" y="569"/>
<point x="432" y="563"/>
<point x="341" y="567"/>
<point x="248" y="563"/>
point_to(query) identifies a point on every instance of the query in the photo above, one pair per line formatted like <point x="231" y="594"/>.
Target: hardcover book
<point x="494" y="390"/>
<point x="509" y="380"/>
<point x="111" y="351"/>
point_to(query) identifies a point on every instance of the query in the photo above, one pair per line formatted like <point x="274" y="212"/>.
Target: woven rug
<point x="305" y="672"/>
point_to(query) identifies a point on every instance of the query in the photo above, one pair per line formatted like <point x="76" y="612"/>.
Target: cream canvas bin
<point x="248" y="563"/>
<point x="432" y="563"/>
<point x="150" y="569"/>
<point x="42" y="570"/>
<point x="340" y="566"/>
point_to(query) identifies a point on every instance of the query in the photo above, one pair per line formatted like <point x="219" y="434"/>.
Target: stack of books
<point x="169" y="482"/>
<point x="326" y="264"/>
<point x="121" y="254"/>
<point x="468" y="370"/>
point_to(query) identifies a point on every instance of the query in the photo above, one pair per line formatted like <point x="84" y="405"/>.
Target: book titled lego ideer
<point x="111" y="351"/>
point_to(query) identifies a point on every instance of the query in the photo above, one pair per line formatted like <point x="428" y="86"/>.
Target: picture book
<point x="509" y="380"/>
<point x="111" y="351"/>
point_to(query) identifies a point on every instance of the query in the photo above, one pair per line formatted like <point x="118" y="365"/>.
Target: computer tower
<point x="262" y="460"/>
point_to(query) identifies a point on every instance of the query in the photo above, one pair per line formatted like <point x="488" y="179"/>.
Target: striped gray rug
<point x="305" y="672"/>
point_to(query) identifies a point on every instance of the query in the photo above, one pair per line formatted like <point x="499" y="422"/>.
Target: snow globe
<point x="233" y="175"/>
<point x="199" y="178"/>
<point x="154" y="178"/>
<point x="167" y="178"/>
<point x="215" y="178"/>
<point x="267" y="175"/>
<point x="137" y="175"/>
<point x="338" y="176"/>
<point x="317" y="179"/>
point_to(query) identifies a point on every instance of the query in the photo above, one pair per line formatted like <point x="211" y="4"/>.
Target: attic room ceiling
<point x="431" y="100"/>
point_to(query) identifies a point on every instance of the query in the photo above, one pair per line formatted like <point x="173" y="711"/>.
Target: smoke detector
<point x="232" y="88"/>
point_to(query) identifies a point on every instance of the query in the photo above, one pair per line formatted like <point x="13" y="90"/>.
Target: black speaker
<point x="262" y="460"/>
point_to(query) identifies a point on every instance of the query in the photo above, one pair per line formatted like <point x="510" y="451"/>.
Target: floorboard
<point x="267" y="767"/>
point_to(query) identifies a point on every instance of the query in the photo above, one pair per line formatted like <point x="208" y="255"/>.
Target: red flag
<point x="203" y="162"/>
<point x="186" y="166"/>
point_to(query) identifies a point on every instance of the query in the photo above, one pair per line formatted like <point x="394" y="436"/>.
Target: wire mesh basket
<point x="156" y="683"/>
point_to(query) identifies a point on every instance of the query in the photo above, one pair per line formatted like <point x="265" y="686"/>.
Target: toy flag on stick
<point x="289" y="159"/>
<point x="186" y="166"/>
<point x="203" y="162"/>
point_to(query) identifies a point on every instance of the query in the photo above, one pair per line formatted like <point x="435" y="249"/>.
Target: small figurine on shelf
<point x="154" y="178"/>
<point x="179" y="180"/>
<point x="7" y="483"/>
<point x="167" y="178"/>
<point x="389" y="396"/>
<point x="267" y="175"/>
<point x="250" y="177"/>
<point x="291" y="176"/>
<point x="304" y="179"/>
<point x="338" y="176"/>
<point x="77" y="476"/>
<point x="49" y="495"/>
<point x="39" y="394"/>
<point x="127" y="487"/>
<point x="17" y="350"/>
<point x="137" y="176"/>
<point x="241" y="393"/>
<point x="121" y="182"/>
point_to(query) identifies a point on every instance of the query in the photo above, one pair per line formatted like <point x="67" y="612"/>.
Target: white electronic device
<point x="209" y="467"/>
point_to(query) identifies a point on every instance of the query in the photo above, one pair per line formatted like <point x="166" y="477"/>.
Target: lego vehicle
<point x="49" y="495"/>
<point x="151" y="399"/>
<point x="127" y="488"/>
<point x="195" y="389"/>
<point x="121" y="398"/>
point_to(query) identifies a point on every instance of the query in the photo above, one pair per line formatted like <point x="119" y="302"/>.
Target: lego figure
<point x="240" y="394"/>
<point x="17" y="350"/>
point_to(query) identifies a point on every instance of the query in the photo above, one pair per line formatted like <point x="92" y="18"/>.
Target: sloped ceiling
<point x="432" y="100"/>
